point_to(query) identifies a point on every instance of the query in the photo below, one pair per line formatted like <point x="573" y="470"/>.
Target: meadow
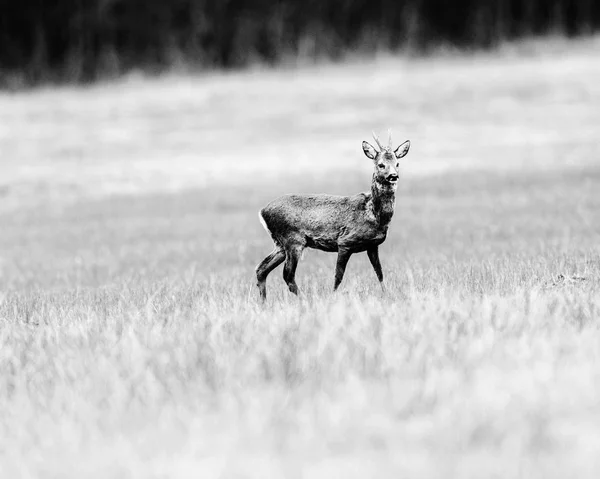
<point x="132" y="340"/>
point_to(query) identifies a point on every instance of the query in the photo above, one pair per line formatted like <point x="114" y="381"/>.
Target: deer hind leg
<point x="292" y="255"/>
<point x="265" y="267"/>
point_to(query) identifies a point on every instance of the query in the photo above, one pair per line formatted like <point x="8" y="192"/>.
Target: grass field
<point x="132" y="342"/>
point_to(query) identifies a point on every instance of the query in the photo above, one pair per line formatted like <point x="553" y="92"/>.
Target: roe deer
<point x="342" y="224"/>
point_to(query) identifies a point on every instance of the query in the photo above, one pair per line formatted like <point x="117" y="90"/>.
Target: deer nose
<point x="392" y="177"/>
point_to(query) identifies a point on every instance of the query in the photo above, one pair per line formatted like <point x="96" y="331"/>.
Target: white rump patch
<point x="263" y="223"/>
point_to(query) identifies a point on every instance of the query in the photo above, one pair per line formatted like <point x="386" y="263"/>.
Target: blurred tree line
<point x="82" y="40"/>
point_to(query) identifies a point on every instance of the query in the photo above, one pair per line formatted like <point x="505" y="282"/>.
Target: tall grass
<point x="478" y="360"/>
<point x="132" y="341"/>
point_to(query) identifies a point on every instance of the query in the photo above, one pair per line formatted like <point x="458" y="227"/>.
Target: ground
<point x="132" y="341"/>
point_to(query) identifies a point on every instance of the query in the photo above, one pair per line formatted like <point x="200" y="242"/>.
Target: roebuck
<point x="342" y="224"/>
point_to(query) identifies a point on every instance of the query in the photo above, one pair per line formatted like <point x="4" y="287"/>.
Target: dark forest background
<point x="83" y="40"/>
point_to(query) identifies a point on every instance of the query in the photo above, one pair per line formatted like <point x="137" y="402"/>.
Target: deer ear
<point x="402" y="150"/>
<point x="369" y="150"/>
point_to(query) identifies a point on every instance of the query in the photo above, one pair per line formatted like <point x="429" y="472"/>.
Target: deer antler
<point x="377" y="140"/>
<point x="390" y="138"/>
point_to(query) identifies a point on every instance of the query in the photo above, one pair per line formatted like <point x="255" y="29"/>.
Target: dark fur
<point x="342" y="224"/>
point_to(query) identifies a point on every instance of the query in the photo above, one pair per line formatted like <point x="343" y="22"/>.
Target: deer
<point x="331" y="223"/>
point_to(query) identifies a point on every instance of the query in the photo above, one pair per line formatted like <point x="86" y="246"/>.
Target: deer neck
<point x="383" y="197"/>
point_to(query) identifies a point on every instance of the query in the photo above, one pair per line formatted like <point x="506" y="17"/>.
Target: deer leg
<point x="340" y="267"/>
<point x="292" y="255"/>
<point x="265" y="267"/>
<point x="373" y="254"/>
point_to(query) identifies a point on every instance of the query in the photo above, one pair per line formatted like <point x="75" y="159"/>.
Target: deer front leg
<point x="373" y="254"/>
<point x="340" y="267"/>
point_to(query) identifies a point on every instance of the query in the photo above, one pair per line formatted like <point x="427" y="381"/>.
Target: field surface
<point x="132" y="342"/>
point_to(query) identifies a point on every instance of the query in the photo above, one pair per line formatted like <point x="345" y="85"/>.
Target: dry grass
<point x="131" y="340"/>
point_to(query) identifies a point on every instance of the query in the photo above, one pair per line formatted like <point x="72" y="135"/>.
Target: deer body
<point x="342" y="224"/>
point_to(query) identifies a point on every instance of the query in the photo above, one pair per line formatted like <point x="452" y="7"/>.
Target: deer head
<point x="385" y="160"/>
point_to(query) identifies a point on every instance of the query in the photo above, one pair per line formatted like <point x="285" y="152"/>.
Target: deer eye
<point x="397" y="164"/>
<point x="381" y="165"/>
